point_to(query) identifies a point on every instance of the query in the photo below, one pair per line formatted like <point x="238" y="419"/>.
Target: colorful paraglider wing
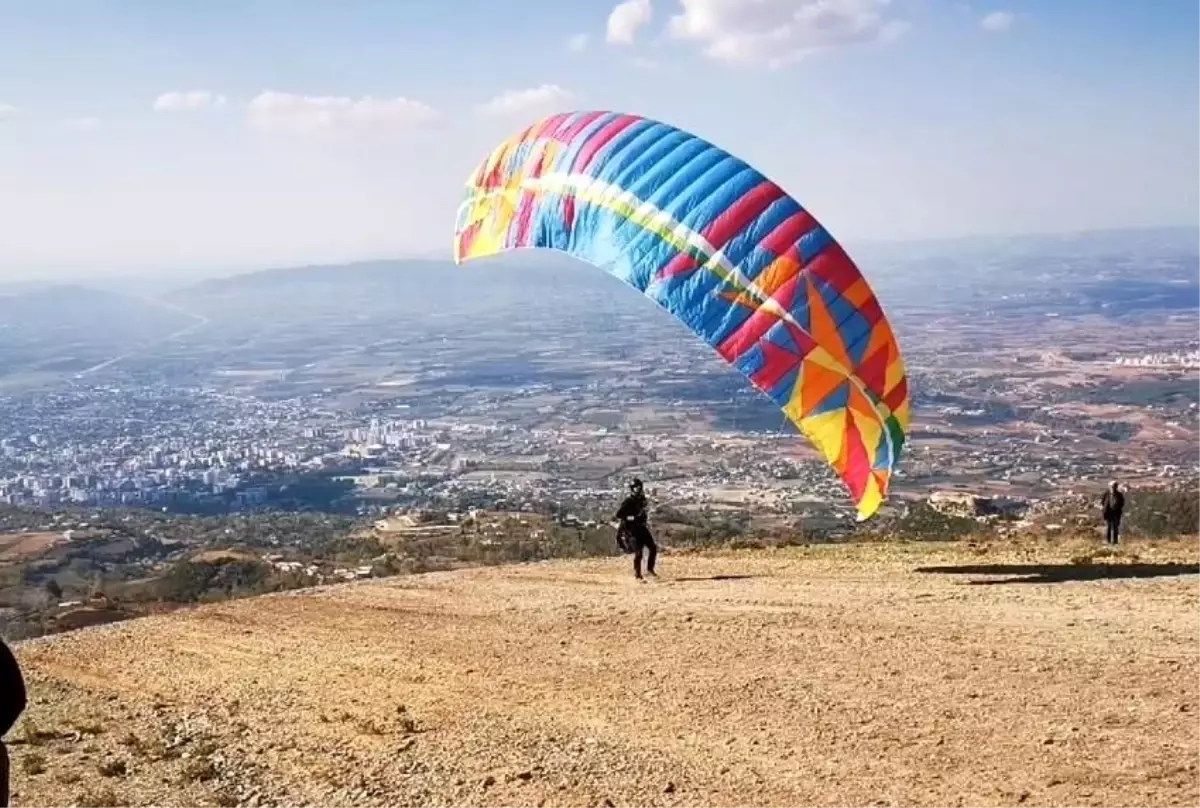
<point x="723" y="249"/>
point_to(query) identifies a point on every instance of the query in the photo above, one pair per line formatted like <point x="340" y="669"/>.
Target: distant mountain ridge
<point x="318" y="273"/>
<point x="386" y="270"/>
<point x="56" y="304"/>
<point x="15" y="288"/>
<point x="1113" y="273"/>
<point x="411" y="290"/>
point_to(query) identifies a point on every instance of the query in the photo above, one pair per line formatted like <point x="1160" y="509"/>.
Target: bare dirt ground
<point x="15" y="546"/>
<point x="853" y="675"/>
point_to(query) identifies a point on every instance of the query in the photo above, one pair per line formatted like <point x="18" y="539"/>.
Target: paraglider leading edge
<point x="723" y="249"/>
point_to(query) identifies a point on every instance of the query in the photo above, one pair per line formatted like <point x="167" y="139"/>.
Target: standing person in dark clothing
<point x="632" y="519"/>
<point x="12" y="704"/>
<point x="1112" y="504"/>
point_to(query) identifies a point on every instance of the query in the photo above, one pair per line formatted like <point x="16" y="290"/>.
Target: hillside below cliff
<point x="919" y="674"/>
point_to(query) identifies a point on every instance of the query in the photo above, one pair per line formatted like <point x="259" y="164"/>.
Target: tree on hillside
<point x="53" y="589"/>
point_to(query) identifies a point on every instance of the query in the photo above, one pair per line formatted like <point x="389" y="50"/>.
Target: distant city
<point x="1189" y="359"/>
<point x="519" y="384"/>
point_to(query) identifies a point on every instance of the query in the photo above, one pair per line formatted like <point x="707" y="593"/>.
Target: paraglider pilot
<point x="12" y="703"/>
<point x="1112" y="504"/>
<point x="634" y="531"/>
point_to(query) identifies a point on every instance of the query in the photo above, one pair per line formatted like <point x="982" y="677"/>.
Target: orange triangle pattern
<point x="818" y="383"/>
<point x="777" y="273"/>
<point x="824" y="329"/>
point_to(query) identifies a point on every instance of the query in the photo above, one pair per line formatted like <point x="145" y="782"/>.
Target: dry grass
<point x="33" y="763"/>
<point x="98" y="797"/>
<point x="113" y="768"/>
<point x="911" y="674"/>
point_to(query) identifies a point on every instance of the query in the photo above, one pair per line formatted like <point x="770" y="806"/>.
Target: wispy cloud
<point x="626" y="19"/>
<point x="578" y="43"/>
<point x="176" y="101"/>
<point x="7" y="112"/>
<point x="777" y="32"/>
<point x="336" y="115"/>
<point x="997" y="21"/>
<point x="521" y="101"/>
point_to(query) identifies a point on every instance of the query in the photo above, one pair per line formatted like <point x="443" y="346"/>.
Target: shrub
<point x="33" y="763"/>
<point x="1164" y="512"/>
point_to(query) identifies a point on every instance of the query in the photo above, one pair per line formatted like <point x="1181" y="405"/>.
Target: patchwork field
<point x="16" y="546"/>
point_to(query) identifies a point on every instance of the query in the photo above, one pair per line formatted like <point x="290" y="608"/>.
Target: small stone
<point x="488" y="781"/>
<point x="669" y="788"/>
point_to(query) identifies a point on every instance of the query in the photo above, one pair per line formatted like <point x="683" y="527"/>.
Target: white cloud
<point x="336" y="115"/>
<point x="626" y="19"/>
<point x="86" y="124"/>
<point x="776" y="32"/>
<point x="189" y="100"/>
<point x="516" y="101"/>
<point x="998" y="21"/>
<point x="578" y="43"/>
<point x="7" y="111"/>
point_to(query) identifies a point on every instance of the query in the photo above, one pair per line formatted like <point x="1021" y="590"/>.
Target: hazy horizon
<point x="864" y="250"/>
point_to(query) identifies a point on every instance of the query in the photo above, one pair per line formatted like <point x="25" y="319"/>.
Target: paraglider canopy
<point x="726" y="251"/>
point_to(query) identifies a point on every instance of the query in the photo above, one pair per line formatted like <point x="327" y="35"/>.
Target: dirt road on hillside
<point x="830" y="675"/>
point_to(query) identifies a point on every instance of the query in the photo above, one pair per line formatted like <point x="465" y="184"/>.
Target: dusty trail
<point x="835" y="675"/>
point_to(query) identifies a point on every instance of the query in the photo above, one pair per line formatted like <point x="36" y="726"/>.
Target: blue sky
<point x="160" y="136"/>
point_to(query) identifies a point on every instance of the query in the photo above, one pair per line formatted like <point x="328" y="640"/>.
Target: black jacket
<point x="633" y="506"/>
<point x="1113" y="503"/>
<point x="12" y="690"/>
